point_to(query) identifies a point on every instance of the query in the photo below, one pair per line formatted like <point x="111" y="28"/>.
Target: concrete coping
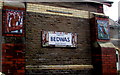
<point x="98" y="14"/>
<point x="106" y="44"/>
<point x="118" y="49"/>
<point x="14" y="4"/>
<point x="1" y="73"/>
<point x="63" y="67"/>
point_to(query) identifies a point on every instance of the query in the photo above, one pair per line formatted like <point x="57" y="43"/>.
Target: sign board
<point x="13" y="21"/>
<point x="58" y="39"/>
<point x="103" y="29"/>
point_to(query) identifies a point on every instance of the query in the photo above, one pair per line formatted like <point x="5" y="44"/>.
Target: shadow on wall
<point x="119" y="72"/>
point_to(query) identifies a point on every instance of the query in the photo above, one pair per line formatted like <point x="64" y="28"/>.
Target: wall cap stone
<point x="15" y="4"/>
<point x="74" y="67"/>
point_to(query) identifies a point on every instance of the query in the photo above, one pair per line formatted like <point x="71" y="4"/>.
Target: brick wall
<point x="37" y="19"/>
<point x="88" y="6"/>
<point x="104" y="60"/>
<point x="0" y="35"/>
<point x="109" y="61"/>
<point x="13" y="59"/>
<point x="37" y="22"/>
<point x="96" y="59"/>
<point x="104" y="53"/>
<point x="12" y="49"/>
<point x="36" y="55"/>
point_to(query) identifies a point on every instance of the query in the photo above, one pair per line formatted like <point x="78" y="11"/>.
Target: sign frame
<point x="59" y="39"/>
<point x="104" y="28"/>
<point x="16" y="30"/>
